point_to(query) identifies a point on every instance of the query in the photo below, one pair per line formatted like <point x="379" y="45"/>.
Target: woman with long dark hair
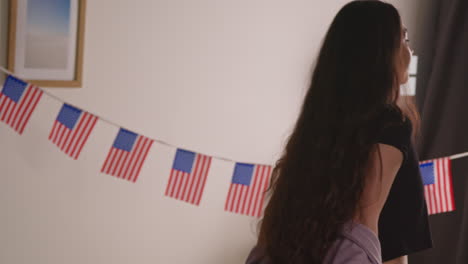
<point x="347" y="188"/>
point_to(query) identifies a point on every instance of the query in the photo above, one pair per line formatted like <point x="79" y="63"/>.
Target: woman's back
<point x="336" y="169"/>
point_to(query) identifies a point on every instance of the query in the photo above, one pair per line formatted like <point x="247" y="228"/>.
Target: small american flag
<point x="188" y="176"/>
<point x="438" y="190"/>
<point x="247" y="190"/>
<point x="127" y="155"/>
<point x="17" y="102"/>
<point x="71" y="130"/>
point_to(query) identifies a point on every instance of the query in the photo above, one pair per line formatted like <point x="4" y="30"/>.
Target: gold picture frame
<point x="41" y="49"/>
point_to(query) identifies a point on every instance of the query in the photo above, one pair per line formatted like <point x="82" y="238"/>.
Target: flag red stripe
<point x="249" y="193"/>
<point x="242" y="201"/>
<point x="71" y="142"/>
<point x="238" y="193"/>
<point x="426" y="198"/>
<point x="184" y="181"/>
<point x="20" y="108"/>
<point x="249" y="200"/>
<point x="181" y="179"/>
<point x="34" y="100"/>
<point x="442" y="186"/>
<point x="263" y="191"/>
<point x="106" y="163"/>
<point x="450" y="188"/>
<point x="233" y="191"/>
<point x="257" y="209"/>
<point x="437" y="187"/>
<point x="7" y="108"/>
<point x="437" y="198"/>
<point x="56" y="134"/>
<point x="205" y="176"/>
<point x="198" y="174"/>
<point x="59" y="133"/>
<point x="447" y="185"/>
<point x="140" y="160"/>
<point x="189" y="187"/>
<point x="120" y="162"/>
<point x="262" y="177"/>
<point x="201" y="180"/>
<point x="433" y="201"/>
<point x="186" y="194"/>
<point x="169" y="184"/>
<point x="129" y="156"/>
<point x="86" y="136"/>
<point x="77" y="130"/>
<point x="174" y="183"/>
<point x="124" y="164"/>
<point x="139" y="151"/>
<point x="228" y="199"/>
<point x="116" y="162"/>
<point x="67" y="133"/>
<point x="82" y="128"/>
<point x="178" y="176"/>
<point x="52" y="131"/>
<point x="113" y="161"/>
<point x="2" y="101"/>
<point x="233" y="197"/>
<point x="252" y="189"/>
<point x="237" y="197"/>
<point x="14" y="106"/>
<point x="60" y="136"/>
<point x="10" y="113"/>
<point x="242" y="197"/>
<point x="29" y="111"/>
<point x="136" y="152"/>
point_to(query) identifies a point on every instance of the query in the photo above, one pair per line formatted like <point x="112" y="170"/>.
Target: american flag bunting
<point x="438" y="191"/>
<point x="127" y="155"/>
<point x="188" y="176"/>
<point x="247" y="190"/>
<point x="18" y="100"/>
<point x="71" y="130"/>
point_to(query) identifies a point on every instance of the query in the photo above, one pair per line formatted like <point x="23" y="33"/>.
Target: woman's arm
<point x="400" y="260"/>
<point x="383" y="165"/>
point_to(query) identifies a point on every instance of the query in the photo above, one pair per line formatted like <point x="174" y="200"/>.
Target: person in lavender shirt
<point x="347" y="189"/>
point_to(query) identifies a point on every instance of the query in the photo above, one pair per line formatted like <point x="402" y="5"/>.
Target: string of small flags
<point x="73" y="126"/>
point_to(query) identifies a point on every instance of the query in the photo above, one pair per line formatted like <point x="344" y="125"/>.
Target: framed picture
<point x="45" y="43"/>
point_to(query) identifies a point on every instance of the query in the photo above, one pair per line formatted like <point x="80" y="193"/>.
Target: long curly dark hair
<point x="317" y="184"/>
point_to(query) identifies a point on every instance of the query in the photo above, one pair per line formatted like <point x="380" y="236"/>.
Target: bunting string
<point x="190" y="169"/>
<point x="113" y="123"/>
<point x="452" y="157"/>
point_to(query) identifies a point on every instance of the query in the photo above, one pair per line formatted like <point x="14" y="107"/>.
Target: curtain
<point x="443" y="103"/>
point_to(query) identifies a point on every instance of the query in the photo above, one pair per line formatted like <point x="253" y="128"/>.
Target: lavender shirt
<point x="356" y="245"/>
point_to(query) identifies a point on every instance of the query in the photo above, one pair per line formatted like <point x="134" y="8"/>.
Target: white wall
<point x="215" y="76"/>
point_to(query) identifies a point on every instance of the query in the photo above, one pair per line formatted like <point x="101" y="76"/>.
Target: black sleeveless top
<point x="403" y="224"/>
